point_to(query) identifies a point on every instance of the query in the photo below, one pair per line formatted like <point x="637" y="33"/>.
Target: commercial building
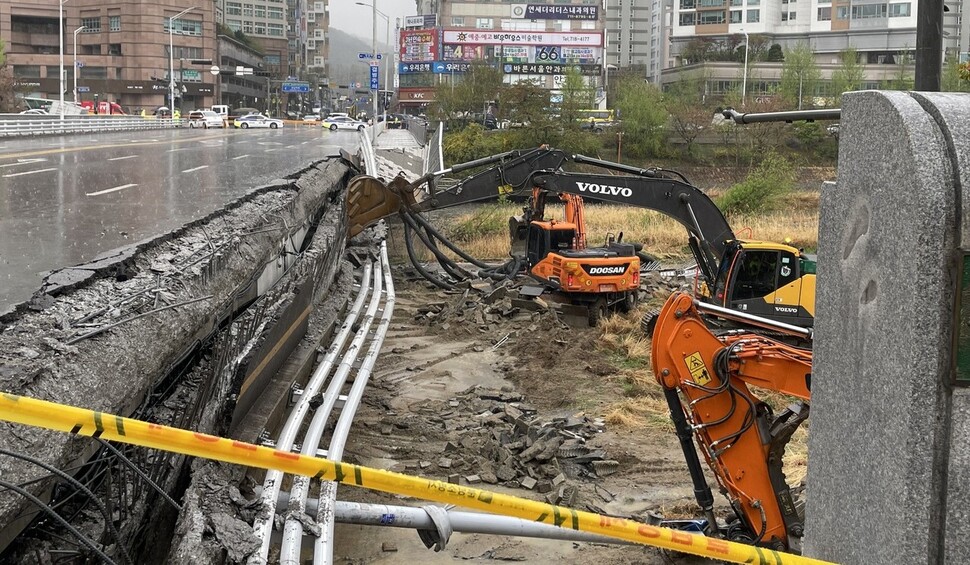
<point x="122" y="54"/>
<point x="528" y="42"/>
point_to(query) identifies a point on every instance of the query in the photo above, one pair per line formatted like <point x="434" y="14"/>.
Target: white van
<point x="222" y="110"/>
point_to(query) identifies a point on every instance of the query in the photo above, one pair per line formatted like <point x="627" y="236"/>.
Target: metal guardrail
<point x="27" y="124"/>
<point x="434" y="157"/>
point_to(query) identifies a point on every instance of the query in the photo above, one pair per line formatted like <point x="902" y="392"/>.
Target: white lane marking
<point x="22" y="162"/>
<point x="195" y="169"/>
<point x="269" y="150"/>
<point x="29" y="172"/>
<point x="240" y="157"/>
<point x="125" y="157"/>
<point x="115" y="189"/>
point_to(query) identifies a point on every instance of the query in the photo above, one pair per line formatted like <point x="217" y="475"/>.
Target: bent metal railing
<point x="28" y="124"/>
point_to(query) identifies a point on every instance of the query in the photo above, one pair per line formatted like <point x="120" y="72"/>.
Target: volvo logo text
<point x="604" y="189"/>
<point x="786" y="309"/>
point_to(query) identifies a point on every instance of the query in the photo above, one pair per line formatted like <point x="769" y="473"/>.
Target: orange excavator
<point x="707" y="382"/>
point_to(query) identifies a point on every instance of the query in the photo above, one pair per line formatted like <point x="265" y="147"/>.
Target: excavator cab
<point x="771" y="280"/>
<point x="548" y="237"/>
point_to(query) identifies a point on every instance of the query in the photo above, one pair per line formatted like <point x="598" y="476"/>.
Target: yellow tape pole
<point x="33" y="412"/>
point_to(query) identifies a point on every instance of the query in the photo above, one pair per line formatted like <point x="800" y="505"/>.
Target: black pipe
<point x="454" y="270"/>
<point x="790" y="116"/>
<point x="417" y="264"/>
<point x="702" y="492"/>
<point x="417" y="216"/>
<point x="439" y="255"/>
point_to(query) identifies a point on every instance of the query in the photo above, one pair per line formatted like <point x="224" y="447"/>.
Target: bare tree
<point x="8" y="98"/>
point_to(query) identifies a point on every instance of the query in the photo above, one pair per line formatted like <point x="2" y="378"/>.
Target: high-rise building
<point x="122" y="53"/>
<point x="265" y="22"/>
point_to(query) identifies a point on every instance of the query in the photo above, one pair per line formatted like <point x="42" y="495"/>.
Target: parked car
<point x="204" y="119"/>
<point x="311" y="118"/>
<point x="35" y="111"/>
<point x="342" y="122"/>
<point x="240" y="112"/>
<point x="257" y="121"/>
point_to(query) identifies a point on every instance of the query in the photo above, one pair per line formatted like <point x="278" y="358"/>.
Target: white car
<point x="333" y="123"/>
<point x="204" y="119"/>
<point x="35" y="111"/>
<point x="257" y="121"/>
<point x="311" y="118"/>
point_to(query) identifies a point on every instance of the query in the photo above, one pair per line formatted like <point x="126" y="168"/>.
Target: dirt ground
<point x="460" y="378"/>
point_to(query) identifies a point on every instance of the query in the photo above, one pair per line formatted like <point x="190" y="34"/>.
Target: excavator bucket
<point x="370" y="200"/>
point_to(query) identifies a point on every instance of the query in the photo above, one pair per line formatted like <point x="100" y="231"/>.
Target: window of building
<point x="754" y="2"/>
<point x="184" y="27"/>
<point x="754" y="16"/>
<point x="711" y="3"/>
<point x="736" y="16"/>
<point x="91" y="49"/>
<point x="483" y="23"/>
<point x="318" y="61"/>
<point x="901" y="10"/>
<point x="274" y="30"/>
<point x="259" y="28"/>
<point x="114" y="49"/>
<point x="318" y="33"/>
<point x="248" y="10"/>
<point x="311" y="44"/>
<point x="586" y="24"/>
<point x="29" y="71"/>
<point x="686" y="4"/>
<point x="92" y="72"/>
<point x="91" y="25"/>
<point x="787" y="16"/>
<point x="842" y="13"/>
<point x="826" y="2"/>
<point x="247" y="27"/>
<point x="52" y="71"/>
<point x="272" y="60"/>
<point x="311" y="17"/>
<point x="688" y="19"/>
<point x="318" y="7"/>
<point x="234" y="25"/>
<point x="260" y="11"/>
<point x="710" y="18"/>
<point x="824" y="14"/>
<point x="277" y="14"/>
<point x="737" y="2"/>
<point x="114" y="23"/>
<point x="869" y="11"/>
<point x="118" y="73"/>
<point x="233" y="8"/>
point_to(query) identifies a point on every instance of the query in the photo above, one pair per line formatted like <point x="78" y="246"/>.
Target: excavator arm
<point x="706" y="381"/>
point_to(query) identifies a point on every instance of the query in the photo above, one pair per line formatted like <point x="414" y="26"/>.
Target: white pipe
<point x="323" y="548"/>
<point x="263" y="525"/>
<point x="293" y="529"/>
<point x="464" y="522"/>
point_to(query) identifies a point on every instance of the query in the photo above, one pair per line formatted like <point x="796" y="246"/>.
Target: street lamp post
<point x="744" y="78"/>
<point x="171" y="59"/>
<point x="606" y="84"/>
<point x="60" y="37"/>
<point x="75" y="62"/>
<point x="374" y="49"/>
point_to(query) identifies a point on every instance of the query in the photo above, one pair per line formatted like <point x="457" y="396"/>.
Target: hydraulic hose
<point x="439" y="255"/>
<point x="454" y="270"/>
<point x="702" y="491"/>
<point x="419" y="217"/>
<point x="417" y="264"/>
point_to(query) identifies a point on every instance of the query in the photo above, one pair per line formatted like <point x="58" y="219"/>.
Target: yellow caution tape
<point x="33" y="412"/>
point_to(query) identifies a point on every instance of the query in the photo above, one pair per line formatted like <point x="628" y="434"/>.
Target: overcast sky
<point x="348" y="17"/>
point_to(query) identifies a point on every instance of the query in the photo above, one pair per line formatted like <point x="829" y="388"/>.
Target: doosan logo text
<point x="611" y="270"/>
<point x="605" y="189"/>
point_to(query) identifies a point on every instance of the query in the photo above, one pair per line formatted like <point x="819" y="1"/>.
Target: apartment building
<point x="122" y="50"/>
<point x="265" y="22"/>
<point x="529" y="41"/>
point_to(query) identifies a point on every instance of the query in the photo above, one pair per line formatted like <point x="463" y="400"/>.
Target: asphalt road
<point x="66" y="200"/>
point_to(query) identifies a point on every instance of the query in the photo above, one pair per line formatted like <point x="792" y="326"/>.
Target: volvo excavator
<point x="772" y="280"/>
